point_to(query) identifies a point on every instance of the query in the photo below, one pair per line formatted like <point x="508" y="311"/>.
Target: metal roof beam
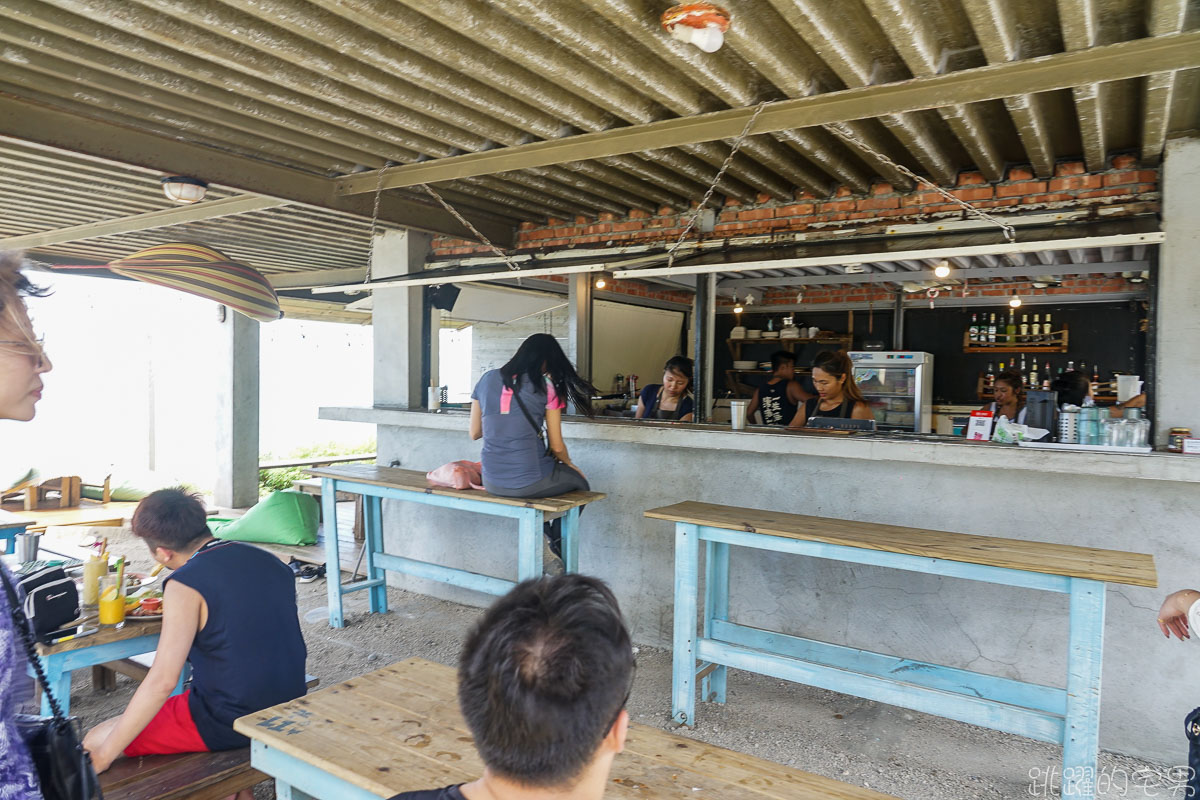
<point x="129" y="146"/>
<point x="1163" y="17"/>
<point x="1000" y="39"/>
<point x="143" y="222"/>
<point x="1110" y="62"/>
<point x="981" y="273"/>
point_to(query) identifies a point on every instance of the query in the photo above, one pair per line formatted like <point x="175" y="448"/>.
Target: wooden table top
<point x="399" y="729"/>
<point x="132" y="629"/>
<point x="1113" y="566"/>
<point x="414" y="480"/>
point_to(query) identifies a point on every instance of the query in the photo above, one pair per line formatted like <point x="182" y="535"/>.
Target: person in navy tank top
<point x="230" y="610"/>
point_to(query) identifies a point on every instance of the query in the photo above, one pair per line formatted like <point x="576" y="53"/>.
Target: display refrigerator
<point x="899" y="388"/>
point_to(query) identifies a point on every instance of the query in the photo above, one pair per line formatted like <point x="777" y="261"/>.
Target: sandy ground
<point x="904" y="753"/>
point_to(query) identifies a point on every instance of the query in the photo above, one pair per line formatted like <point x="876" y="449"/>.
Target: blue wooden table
<point x="398" y="729"/>
<point x="376" y="484"/>
<point x="109" y="644"/>
<point x="1069" y="716"/>
<point x="9" y="528"/>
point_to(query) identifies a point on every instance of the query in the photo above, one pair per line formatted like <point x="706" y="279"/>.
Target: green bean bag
<point x="279" y="518"/>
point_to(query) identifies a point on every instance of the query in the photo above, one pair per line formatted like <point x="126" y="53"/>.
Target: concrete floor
<point x="910" y="755"/>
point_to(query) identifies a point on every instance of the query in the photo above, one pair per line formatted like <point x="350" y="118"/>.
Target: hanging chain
<point x="1010" y="233"/>
<point x="737" y="145"/>
<point x="375" y="221"/>
<point x="466" y="224"/>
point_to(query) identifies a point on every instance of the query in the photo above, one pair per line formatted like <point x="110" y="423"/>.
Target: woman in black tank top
<point x="838" y="394"/>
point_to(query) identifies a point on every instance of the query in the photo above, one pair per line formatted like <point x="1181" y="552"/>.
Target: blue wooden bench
<point x="9" y="528"/>
<point x="376" y="484"/>
<point x="1069" y="716"/>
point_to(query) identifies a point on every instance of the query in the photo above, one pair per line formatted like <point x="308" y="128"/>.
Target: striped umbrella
<point x="200" y="270"/>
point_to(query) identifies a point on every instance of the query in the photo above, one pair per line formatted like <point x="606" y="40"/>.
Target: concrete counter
<point x="1140" y="503"/>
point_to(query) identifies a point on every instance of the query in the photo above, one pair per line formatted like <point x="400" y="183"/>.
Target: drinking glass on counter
<point x="112" y="600"/>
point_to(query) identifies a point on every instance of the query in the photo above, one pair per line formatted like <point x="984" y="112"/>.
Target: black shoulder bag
<point x="64" y="768"/>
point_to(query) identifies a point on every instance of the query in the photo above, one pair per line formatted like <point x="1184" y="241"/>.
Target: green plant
<point x="277" y="480"/>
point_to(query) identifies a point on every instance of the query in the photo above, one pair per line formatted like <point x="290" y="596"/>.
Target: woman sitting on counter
<point x="1074" y="388"/>
<point x="671" y="399"/>
<point x="837" y="393"/>
<point x="1008" y="392"/>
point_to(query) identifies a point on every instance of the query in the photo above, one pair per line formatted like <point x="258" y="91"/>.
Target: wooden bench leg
<point x="716" y="606"/>
<point x="529" y="544"/>
<point x="103" y="679"/>
<point x="683" y="670"/>
<point x="570" y="540"/>
<point x="1083" y="689"/>
<point x="333" y="564"/>
<point x="374" y="544"/>
<point x="359" y="523"/>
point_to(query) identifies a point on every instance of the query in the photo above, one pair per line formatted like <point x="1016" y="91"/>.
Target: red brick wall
<point x="1071" y="187"/>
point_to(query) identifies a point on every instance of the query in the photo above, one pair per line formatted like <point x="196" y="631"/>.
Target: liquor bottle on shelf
<point x="991" y="333"/>
<point x="1070" y="366"/>
<point x="1023" y="365"/>
<point x="974" y="328"/>
<point x="989" y="379"/>
<point x="1035" y="331"/>
<point x="1047" y="331"/>
<point x="1083" y="369"/>
<point x="1024" y="334"/>
<point x="1010" y="330"/>
<point x="1033" y="377"/>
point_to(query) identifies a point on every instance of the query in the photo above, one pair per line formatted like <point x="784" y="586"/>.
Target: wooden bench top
<point x="399" y="729"/>
<point x="414" y="481"/>
<point x="189" y="776"/>
<point x="1113" y="566"/>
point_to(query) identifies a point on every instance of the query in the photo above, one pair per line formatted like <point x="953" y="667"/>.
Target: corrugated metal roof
<point x="331" y="88"/>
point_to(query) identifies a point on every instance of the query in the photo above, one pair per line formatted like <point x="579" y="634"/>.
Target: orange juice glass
<point x="112" y="602"/>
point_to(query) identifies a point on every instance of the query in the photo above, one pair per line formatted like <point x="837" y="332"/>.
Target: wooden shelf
<point x="1057" y="344"/>
<point x="741" y="390"/>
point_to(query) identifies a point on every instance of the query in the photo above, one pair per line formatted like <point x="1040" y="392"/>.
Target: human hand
<point x="1137" y="401"/>
<point x="100" y="761"/>
<point x="1173" y="615"/>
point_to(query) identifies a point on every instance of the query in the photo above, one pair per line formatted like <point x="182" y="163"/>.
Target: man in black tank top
<point x="780" y="397"/>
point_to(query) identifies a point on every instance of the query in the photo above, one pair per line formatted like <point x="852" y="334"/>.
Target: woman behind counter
<point x="1009" y="393"/>
<point x="671" y="399"/>
<point x="837" y="393"/>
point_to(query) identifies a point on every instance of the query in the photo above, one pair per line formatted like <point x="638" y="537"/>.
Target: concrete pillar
<point x="397" y="317"/>
<point x="579" y="323"/>
<point x="237" y="382"/>
<point x="1178" y="325"/>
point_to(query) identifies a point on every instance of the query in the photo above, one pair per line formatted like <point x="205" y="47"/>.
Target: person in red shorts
<point x="230" y="610"/>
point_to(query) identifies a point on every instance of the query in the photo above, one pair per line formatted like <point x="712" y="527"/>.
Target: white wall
<point x="632" y="340"/>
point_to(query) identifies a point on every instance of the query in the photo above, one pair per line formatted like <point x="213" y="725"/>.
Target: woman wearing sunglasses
<point x="22" y="364"/>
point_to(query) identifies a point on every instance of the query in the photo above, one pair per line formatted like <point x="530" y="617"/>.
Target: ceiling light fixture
<point x="602" y="280"/>
<point x="182" y="189"/>
<point x="737" y="306"/>
<point x="1015" y="300"/>
<point x="701" y="24"/>
<point x="942" y="270"/>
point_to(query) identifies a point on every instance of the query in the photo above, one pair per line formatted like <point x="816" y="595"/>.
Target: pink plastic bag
<point x="457" y="475"/>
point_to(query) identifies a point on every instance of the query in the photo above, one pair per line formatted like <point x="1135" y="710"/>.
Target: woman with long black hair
<point x="509" y="408"/>
<point x="837" y="393"/>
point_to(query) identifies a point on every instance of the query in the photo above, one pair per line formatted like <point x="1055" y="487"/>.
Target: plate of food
<point x="145" y="606"/>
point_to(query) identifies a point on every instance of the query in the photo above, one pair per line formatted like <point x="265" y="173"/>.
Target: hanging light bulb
<point x="1015" y="300"/>
<point x="602" y="279"/>
<point x="942" y="270"/>
<point x="701" y="24"/>
<point x="737" y="306"/>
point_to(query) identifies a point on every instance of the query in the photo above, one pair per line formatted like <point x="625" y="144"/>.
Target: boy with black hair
<point x="781" y="396"/>
<point x="542" y="681"/>
<point x="230" y="610"/>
